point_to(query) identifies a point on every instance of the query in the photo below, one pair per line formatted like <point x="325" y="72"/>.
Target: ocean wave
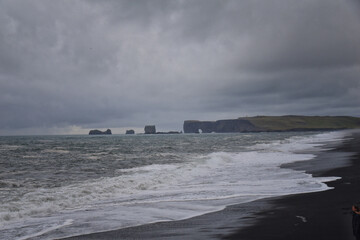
<point x="200" y="183"/>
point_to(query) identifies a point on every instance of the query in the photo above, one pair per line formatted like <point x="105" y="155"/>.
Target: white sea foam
<point x="301" y="143"/>
<point x="47" y="229"/>
<point x="159" y="192"/>
<point x="5" y="147"/>
<point x="59" y="151"/>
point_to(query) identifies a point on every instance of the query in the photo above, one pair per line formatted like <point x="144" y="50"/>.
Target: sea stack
<point x="130" y="131"/>
<point x="98" y="132"/>
<point x="150" y="129"/>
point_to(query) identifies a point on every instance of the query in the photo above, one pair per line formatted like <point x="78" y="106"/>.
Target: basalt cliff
<point x="220" y="126"/>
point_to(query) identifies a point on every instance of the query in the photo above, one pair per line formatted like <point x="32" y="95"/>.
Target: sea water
<point x="58" y="186"/>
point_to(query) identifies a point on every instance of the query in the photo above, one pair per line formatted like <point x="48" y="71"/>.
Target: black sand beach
<point x="320" y="215"/>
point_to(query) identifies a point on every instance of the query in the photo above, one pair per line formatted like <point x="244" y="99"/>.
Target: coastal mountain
<point x="272" y="124"/>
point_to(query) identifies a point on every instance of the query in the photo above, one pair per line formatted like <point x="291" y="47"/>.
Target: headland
<point x="273" y="124"/>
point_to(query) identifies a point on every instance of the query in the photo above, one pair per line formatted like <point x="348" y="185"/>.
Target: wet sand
<point x="320" y="215"/>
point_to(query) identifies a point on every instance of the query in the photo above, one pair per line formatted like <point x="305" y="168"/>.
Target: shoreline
<point x="284" y="217"/>
<point x="319" y="215"/>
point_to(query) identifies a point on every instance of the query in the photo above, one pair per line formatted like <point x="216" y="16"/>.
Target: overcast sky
<point x="69" y="66"/>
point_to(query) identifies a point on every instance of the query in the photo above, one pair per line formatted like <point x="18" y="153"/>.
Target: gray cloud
<point x="129" y="63"/>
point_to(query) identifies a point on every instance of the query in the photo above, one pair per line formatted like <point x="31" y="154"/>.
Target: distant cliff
<point x="220" y="126"/>
<point x="98" y="132"/>
<point x="272" y="123"/>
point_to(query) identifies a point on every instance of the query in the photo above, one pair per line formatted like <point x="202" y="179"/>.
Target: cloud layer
<point x="130" y="63"/>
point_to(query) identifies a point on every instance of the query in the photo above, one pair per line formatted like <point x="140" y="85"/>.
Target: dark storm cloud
<point x="129" y="63"/>
<point x="298" y="91"/>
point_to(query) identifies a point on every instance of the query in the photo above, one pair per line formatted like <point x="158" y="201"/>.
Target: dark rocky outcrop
<point x="150" y="129"/>
<point x="170" y="132"/>
<point x="191" y="126"/>
<point x="98" y="132"/>
<point x="194" y="126"/>
<point x="130" y="131"/>
<point x="220" y="126"/>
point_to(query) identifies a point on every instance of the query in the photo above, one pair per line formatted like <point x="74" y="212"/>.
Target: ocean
<point x="59" y="186"/>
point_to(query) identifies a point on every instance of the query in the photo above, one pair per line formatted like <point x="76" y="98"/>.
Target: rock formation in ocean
<point x="170" y="132"/>
<point x="98" y="132"/>
<point x="150" y="129"/>
<point x="130" y="131"/>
